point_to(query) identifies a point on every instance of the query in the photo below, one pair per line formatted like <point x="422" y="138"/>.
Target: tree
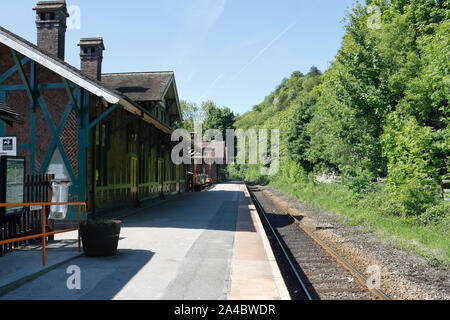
<point x="217" y="118"/>
<point x="191" y="113"/>
<point x="297" y="138"/>
<point x="413" y="164"/>
<point x="297" y="74"/>
<point x="347" y="123"/>
<point x="314" y="72"/>
<point x="380" y="110"/>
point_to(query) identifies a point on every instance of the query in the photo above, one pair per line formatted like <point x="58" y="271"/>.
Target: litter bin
<point x="60" y="193"/>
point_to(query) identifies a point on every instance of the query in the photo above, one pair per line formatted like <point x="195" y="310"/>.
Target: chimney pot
<point x="91" y="53"/>
<point x="51" y="24"/>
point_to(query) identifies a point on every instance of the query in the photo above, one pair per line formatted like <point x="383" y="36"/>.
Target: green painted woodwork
<point x="71" y="96"/>
<point x="12" y="70"/>
<point x="158" y="171"/>
<point x="56" y="141"/>
<point x="103" y="115"/>
<point x="25" y="81"/>
<point x="82" y="99"/>
<point x="33" y="118"/>
<point x="2" y="123"/>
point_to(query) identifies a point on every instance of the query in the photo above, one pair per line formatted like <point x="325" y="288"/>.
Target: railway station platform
<point x="209" y="245"/>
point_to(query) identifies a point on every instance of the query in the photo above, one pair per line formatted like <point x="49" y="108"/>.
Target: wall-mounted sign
<point x="8" y="146"/>
<point x="12" y="182"/>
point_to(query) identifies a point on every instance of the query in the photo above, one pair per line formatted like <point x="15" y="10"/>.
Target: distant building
<point x="206" y="165"/>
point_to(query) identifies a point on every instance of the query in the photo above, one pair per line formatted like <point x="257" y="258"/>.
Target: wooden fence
<point x="37" y="189"/>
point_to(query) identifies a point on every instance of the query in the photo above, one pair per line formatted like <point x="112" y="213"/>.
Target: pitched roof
<point x="74" y="75"/>
<point x="139" y="86"/>
<point x="57" y="65"/>
<point x="8" y="115"/>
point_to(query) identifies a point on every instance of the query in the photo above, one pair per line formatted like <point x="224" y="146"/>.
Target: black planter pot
<point x="100" y="239"/>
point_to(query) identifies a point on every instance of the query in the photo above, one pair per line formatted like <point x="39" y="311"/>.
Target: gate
<point x="37" y="189"/>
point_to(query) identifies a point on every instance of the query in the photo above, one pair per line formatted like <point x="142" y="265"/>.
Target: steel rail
<point x="262" y="212"/>
<point x="357" y="274"/>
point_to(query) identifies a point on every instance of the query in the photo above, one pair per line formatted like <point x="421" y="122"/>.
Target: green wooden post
<point x="83" y="142"/>
<point x="2" y="123"/>
<point x="32" y="117"/>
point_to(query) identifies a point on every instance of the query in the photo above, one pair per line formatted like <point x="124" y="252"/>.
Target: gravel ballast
<point x="404" y="275"/>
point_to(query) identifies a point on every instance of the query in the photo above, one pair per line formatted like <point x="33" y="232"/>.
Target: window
<point x="174" y="171"/>
<point x="102" y="147"/>
<point x="142" y="165"/>
<point x="131" y="138"/>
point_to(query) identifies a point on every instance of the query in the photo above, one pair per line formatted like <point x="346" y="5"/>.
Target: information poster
<point x="8" y="146"/>
<point x="13" y="169"/>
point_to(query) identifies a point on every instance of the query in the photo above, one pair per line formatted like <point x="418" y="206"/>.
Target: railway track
<point x="312" y="270"/>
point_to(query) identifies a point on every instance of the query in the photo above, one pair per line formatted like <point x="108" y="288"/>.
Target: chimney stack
<point x="51" y="18"/>
<point x="91" y="53"/>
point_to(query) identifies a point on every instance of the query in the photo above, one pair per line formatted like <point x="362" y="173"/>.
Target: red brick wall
<point x="56" y="102"/>
<point x="118" y="156"/>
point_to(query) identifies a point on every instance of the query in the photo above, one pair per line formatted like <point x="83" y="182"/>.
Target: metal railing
<point x="44" y="234"/>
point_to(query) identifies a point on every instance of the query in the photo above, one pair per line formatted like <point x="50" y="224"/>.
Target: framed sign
<point x="8" y="146"/>
<point x="12" y="183"/>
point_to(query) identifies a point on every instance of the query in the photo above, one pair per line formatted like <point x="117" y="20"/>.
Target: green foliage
<point x="210" y="115"/>
<point x="357" y="180"/>
<point x="191" y="113"/>
<point x="297" y="138"/>
<point x="373" y="211"/>
<point x="296" y="74"/>
<point x="246" y="172"/>
<point x="293" y="172"/>
<point x="217" y="118"/>
<point x="347" y="123"/>
<point x="314" y="72"/>
<point x="438" y="215"/>
<point x="413" y="165"/>
<point x="380" y="111"/>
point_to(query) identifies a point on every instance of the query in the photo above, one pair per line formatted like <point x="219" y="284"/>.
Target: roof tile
<point x="139" y="86"/>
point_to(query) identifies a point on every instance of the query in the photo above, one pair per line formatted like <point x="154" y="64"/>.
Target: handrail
<point x="44" y="233"/>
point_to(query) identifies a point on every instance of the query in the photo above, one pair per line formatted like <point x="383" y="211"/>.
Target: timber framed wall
<point x="60" y="116"/>
<point x="122" y="138"/>
<point x="55" y="114"/>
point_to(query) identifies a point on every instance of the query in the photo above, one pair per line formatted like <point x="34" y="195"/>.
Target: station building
<point x="107" y="135"/>
<point x="208" y="162"/>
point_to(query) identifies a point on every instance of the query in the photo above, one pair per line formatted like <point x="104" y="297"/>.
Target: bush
<point x="378" y="200"/>
<point x="437" y="215"/>
<point x="412" y="152"/>
<point x="358" y="180"/>
<point x="294" y="172"/>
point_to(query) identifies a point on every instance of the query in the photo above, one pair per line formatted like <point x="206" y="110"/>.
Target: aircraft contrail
<point x="264" y="49"/>
<point x="210" y="87"/>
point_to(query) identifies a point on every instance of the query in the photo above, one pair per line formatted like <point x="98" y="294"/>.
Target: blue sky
<point x="234" y="52"/>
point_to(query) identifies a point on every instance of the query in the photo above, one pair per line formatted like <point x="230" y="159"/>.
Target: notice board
<point x="12" y="183"/>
